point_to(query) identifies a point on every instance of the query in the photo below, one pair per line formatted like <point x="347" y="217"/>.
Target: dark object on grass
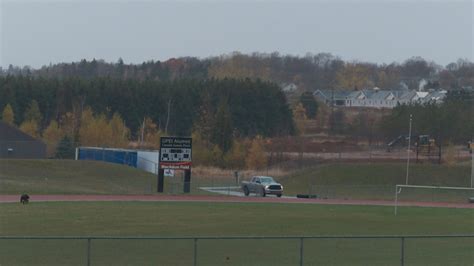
<point x="307" y="196"/>
<point x="24" y="199"/>
<point x="471" y="200"/>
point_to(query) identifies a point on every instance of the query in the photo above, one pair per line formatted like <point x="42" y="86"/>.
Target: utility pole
<point x="332" y="111"/>
<point x="408" y="151"/>
<point x="472" y="162"/>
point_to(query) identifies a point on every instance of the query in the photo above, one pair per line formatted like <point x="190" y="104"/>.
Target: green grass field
<point x="231" y="219"/>
<point x="348" y="181"/>
<point x="72" y="177"/>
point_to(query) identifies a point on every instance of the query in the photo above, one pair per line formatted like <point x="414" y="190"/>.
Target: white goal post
<point x="398" y="190"/>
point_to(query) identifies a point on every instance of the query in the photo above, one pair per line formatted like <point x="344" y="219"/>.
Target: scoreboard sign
<point x="175" y="153"/>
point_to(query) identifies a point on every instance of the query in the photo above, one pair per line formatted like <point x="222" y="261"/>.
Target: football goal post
<point x="415" y="193"/>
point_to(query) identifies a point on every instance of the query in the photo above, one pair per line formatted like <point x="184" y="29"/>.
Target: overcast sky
<point x="37" y="33"/>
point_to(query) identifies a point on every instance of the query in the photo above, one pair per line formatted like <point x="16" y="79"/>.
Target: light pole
<point x="408" y="151"/>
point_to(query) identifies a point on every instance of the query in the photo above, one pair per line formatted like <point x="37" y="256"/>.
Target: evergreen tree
<point x="310" y="105"/>
<point x="222" y="131"/>
<point x="204" y="122"/>
<point x="33" y="113"/>
<point x="66" y="149"/>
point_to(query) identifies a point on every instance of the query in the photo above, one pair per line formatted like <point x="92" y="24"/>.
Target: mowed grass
<point x="348" y="181"/>
<point x="90" y="177"/>
<point x="72" y="177"/>
<point x="163" y="219"/>
<point x="378" y="180"/>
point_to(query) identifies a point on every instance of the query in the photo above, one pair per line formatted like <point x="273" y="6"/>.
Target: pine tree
<point x="8" y="116"/>
<point x="310" y="105"/>
<point x="66" y="149"/>
<point x="33" y="113"/>
<point x="204" y="123"/>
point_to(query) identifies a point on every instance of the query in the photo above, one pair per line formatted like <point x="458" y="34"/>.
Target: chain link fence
<point x="282" y="250"/>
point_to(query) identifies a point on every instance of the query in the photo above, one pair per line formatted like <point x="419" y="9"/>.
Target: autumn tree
<point x="94" y="131"/>
<point x="69" y="124"/>
<point x="354" y="76"/>
<point x="299" y="115"/>
<point x="202" y="155"/>
<point x="120" y="132"/>
<point x="149" y="134"/>
<point x="32" y="120"/>
<point x="30" y="127"/>
<point x="235" y="158"/>
<point x="256" y="158"/>
<point x="7" y="115"/>
<point x="52" y="135"/>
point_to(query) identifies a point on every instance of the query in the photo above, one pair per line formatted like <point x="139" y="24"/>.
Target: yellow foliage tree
<point x="52" y="135"/>
<point x="217" y="156"/>
<point x="149" y="134"/>
<point x="299" y="115"/>
<point x="239" y="66"/>
<point x="30" y="127"/>
<point x="202" y="155"/>
<point x="235" y="158"/>
<point x="95" y="131"/>
<point x="256" y="158"/>
<point x="354" y="76"/>
<point x="7" y="115"/>
<point x="68" y="124"/>
<point x="120" y="132"/>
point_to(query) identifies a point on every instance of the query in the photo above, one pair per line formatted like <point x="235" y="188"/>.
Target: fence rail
<point x="303" y="248"/>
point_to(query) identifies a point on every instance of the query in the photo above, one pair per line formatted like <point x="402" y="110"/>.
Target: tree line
<point x="113" y="112"/>
<point x="310" y="72"/>
<point x="449" y="122"/>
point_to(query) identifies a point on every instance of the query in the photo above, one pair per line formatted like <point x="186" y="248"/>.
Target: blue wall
<point x="109" y="155"/>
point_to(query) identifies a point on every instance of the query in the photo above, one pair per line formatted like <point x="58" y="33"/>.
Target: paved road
<point x="234" y="191"/>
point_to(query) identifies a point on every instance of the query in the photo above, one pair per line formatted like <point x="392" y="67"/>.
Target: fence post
<point x="195" y="251"/>
<point x="402" y="255"/>
<point x="301" y="251"/>
<point x="88" y="252"/>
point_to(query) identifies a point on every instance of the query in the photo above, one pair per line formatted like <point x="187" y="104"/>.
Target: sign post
<point x="175" y="154"/>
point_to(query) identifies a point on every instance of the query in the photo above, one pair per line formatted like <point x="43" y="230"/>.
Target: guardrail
<point x="306" y="248"/>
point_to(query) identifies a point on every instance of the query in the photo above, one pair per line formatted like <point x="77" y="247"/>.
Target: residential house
<point x="377" y="98"/>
